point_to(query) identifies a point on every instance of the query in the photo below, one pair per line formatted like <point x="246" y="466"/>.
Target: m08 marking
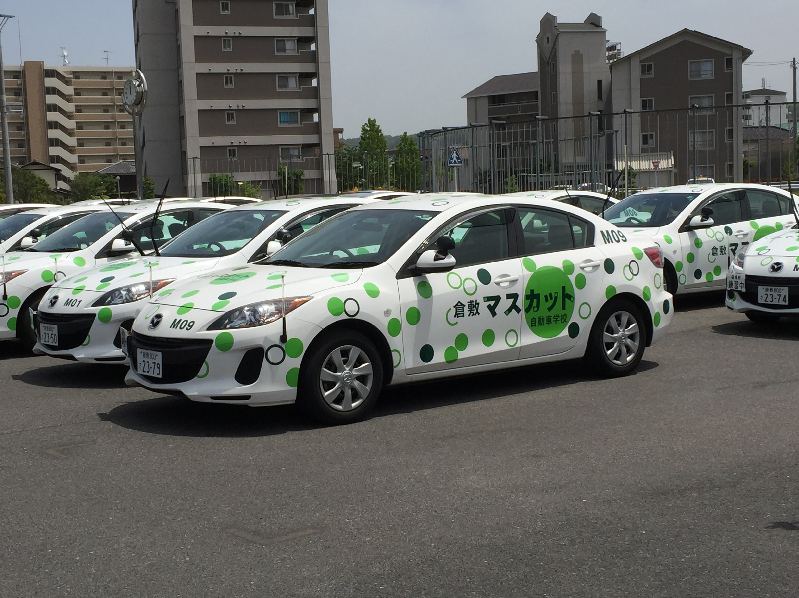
<point x="182" y="324"/>
<point x="613" y="236"/>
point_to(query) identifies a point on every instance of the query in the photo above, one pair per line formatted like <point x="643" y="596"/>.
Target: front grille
<point x="72" y="330"/>
<point x="181" y="359"/>
<point x="753" y="282"/>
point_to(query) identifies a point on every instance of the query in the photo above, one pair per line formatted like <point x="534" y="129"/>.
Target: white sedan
<point x="596" y="203"/>
<point x="411" y="289"/>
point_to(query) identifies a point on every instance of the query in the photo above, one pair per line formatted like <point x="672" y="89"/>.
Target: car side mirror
<point x="27" y="242"/>
<point x="36" y="233"/>
<point x="445" y="245"/>
<point x="707" y="212"/>
<point x="121" y="246"/>
<point x="700" y="222"/>
<point x="272" y="247"/>
<point x="283" y="236"/>
<point x="430" y="261"/>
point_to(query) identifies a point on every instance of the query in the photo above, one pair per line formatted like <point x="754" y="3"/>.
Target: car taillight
<point x="654" y="255"/>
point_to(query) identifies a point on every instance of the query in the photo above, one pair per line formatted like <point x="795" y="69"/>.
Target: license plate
<point x="123" y="340"/>
<point x="149" y="363"/>
<point x="772" y="295"/>
<point x="736" y="282"/>
<point x="48" y="334"/>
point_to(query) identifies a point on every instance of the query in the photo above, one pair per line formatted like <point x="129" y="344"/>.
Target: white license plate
<point x="772" y="295"/>
<point x="48" y="334"/>
<point x="736" y="282"/>
<point x="123" y="339"/>
<point x="149" y="363"/>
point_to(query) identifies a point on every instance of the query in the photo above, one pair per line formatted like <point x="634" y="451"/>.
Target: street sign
<point x="655" y="164"/>
<point x="455" y="160"/>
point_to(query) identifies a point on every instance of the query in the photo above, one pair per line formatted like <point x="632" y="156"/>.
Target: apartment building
<point x="235" y="86"/>
<point x="511" y="99"/>
<point x="71" y="118"/>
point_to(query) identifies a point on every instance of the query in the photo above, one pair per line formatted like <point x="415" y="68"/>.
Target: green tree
<point x="247" y="189"/>
<point x="148" y="187"/>
<point x="407" y="166"/>
<point x="346" y="159"/>
<point x="374" y="155"/>
<point x="748" y="168"/>
<point x="90" y="185"/>
<point x="28" y="188"/>
<point x="220" y="184"/>
<point x="290" y="183"/>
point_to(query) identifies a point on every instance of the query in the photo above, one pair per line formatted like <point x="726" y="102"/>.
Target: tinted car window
<point x="762" y="204"/>
<point x="545" y="231"/>
<point x="648" y="209"/>
<point x="727" y="208"/>
<point x="483" y="238"/>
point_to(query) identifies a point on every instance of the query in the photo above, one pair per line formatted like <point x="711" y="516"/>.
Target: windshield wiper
<point x="286" y="263"/>
<point x="349" y="265"/>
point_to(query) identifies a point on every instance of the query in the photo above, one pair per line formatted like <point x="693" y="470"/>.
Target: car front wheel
<point x="618" y="339"/>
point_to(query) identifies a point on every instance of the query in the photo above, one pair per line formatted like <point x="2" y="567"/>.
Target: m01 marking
<point x="182" y="324"/>
<point x="613" y="236"/>
<point x="73" y="302"/>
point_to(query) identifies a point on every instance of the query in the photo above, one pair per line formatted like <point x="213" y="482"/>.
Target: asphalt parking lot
<point x="680" y="480"/>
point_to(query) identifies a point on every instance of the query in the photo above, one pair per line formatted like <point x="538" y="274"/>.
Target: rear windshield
<point x="649" y="209"/>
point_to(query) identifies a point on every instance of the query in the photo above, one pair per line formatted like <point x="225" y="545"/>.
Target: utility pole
<point x="768" y="143"/>
<point x="4" y="119"/>
<point x="627" y="112"/>
<point x="695" y="108"/>
<point x="794" y="132"/>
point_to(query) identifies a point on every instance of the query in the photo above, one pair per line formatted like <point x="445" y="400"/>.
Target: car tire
<point x="358" y="384"/>
<point x="761" y="317"/>
<point x="616" y="354"/>
<point x="670" y="276"/>
<point x="25" y="331"/>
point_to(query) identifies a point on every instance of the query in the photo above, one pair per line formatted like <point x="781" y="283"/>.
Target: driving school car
<point x="700" y="228"/>
<point x="411" y="289"/>
<point x="763" y="279"/>
<point x="94" y="240"/>
<point x="595" y="203"/>
<point x="94" y="330"/>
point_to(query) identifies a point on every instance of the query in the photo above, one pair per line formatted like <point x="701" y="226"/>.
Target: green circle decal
<point x="294" y="347"/>
<point x="220" y="305"/>
<point x="231" y="278"/>
<point x="450" y="355"/>
<point x="413" y="315"/>
<point x="584" y="311"/>
<point x="14" y="302"/>
<point x="678" y="266"/>
<point x="717" y="271"/>
<point x="698" y="242"/>
<point x="668" y="239"/>
<point x="79" y="262"/>
<point x="105" y="315"/>
<point x="335" y="306"/>
<point x="764" y="231"/>
<point x="656" y="319"/>
<point x="461" y="342"/>
<point x="574" y="330"/>
<point x="117" y="266"/>
<point x="484" y="276"/>
<point x="371" y="290"/>
<point x="12" y="323"/>
<point x="394" y="327"/>
<point x="610" y="291"/>
<point x="610" y="267"/>
<point x="293" y="377"/>
<point x="639" y="255"/>
<point x="529" y="264"/>
<point x="452" y="282"/>
<point x="189" y="294"/>
<point x="47" y="276"/>
<point x="511" y="334"/>
<point x="399" y="357"/>
<point x="709" y="277"/>
<point x="647" y="293"/>
<point x="224" y="341"/>
<point x="427" y="353"/>
<point x="341" y="277"/>
<point x="79" y="290"/>
<point x="548" y="301"/>
<point x="489" y="337"/>
<point x="690" y="258"/>
<point x="666" y="306"/>
<point x="579" y="281"/>
<point x="225" y="296"/>
<point x="424" y="289"/>
<point x="568" y="267"/>
<point x="185" y="308"/>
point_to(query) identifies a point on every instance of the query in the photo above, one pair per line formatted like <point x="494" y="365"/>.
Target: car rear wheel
<point x="762" y="317"/>
<point x="618" y="339"/>
<point x="25" y="331"/>
<point x="342" y="379"/>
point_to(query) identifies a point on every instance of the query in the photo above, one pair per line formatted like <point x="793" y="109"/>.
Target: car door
<point x="472" y="314"/>
<point x="768" y="212"/>
<point x="708" y="250"/>
<point x="563" y="273"/>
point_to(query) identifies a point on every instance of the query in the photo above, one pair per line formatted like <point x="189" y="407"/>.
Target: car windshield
<point x="81" y="233"/>
<point x="13" y="224"/>
<point x="357" y="239"/>
<point x="649" y="209"/>
<point x="223" y="234"/>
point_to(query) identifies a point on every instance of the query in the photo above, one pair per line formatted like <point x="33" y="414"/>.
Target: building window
<point x="227" y="44"/>
<point x="702" y="170"/>
<point x="285" y="10"/>
<point x="700" y="69"/>
<point x="288" y="82"/>
<point x="224" y="7"/>
<point x="229" y="81"/>
<point x="552" y="67"/>
<point x="599" y="89"/>
<point x="705" y="140"/>
<point x="286" y="45"/>
<point x="232" y="153"/>
<point x="730" y="168"/>
<point x="729" y="133"/>
<point x="728" y="98"/>
<point x="291" y="153"/>
<point x="728" y="63"/>
<point x="230" y="117"/>
<point x="704" y="103"/>
<point x="647" y="140"/>
<point x="107" y="127"/>
<point x="288" y="118"/>
<point x="647" y="69"/>
<point x="554" y="100"/>
<point x="647" y="104"/>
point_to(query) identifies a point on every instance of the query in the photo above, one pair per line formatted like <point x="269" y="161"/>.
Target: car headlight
<point x="739" y="258"/>
<point x="131" y="293"/>
<point x="6" y="276"/>
<point x="258" y="314"/>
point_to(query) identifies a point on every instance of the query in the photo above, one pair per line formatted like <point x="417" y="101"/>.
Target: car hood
<point x="775" y="255"/>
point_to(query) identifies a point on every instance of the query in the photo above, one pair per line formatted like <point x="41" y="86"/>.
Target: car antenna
<point x="155" y="218"/>
<point x="607" y="199"/>
<point x="5" y="286"/>
<point x="283" y="337"/>
<point x="125" y="230"/>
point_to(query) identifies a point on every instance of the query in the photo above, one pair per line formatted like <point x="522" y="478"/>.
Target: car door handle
<point x="507" y="279"/>
<point x="590" y="265"/>
<point x="741" y="234"/>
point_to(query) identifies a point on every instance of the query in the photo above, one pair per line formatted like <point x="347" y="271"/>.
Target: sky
<point x="407" y="63"/>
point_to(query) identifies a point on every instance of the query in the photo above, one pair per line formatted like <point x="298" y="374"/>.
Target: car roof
<point x="303" y="203"/>
<point x="24" y="206"/>
<point x="708" y="188"/>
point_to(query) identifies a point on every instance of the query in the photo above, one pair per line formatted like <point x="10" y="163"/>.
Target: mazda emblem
<point x="775" y="267"/>
<point x="53" y="301"/>
<point x="155" y="321"/>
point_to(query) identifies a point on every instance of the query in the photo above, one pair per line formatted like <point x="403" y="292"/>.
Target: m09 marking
<point x="613" y="236"/>
<point x="182" y="324"/>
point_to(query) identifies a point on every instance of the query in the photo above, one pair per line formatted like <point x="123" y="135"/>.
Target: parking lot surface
<point x="680" y="480"/>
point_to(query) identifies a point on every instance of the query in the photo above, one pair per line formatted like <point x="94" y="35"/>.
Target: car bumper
<point x="744" y="301"/>
<point x="87" y="338"/>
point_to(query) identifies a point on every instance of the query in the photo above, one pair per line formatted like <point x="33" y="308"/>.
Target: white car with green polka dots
<point x="93" y="240"/>
<point x="595" y="203"/>
<point x="89" y="330"/>
<point x="700" y="228"/>
<point x="405" y="290"/>
<point x="22" y="230"/>
<point x="763" y="278"/>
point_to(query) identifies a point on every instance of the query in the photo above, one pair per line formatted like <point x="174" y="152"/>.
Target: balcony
<point x="513" y="109"/>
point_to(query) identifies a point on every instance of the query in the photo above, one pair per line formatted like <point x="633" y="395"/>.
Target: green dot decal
<point x="666" y="306"/>
<point x="461" y="342"/>
<point x="792" y="248"/>
<point x="668" y="239"/>
<point x="394" y="327"/>
<point x="426" y="354"/>
<point x="13" y="302"/>
<point x="690" y="258"/>
<point x="424" y="289"/>
<point x="78" y="290"/>
<point x="362" y="251"/>
<point x="335" y="306"/>
<point x="489" y="337"/>
<point x="224" y="341"/>
<point x="574" y="330"/>
<point x="568" y="267"/>
<point x="697" y="274"/>
<point x="231" y="278"/>
<point x="579" y="281"/>
<point x="105" y="315"/>
<point x="79" y="262"/>
<point x="657" y="319"/>
<point x="610" y="291"/>
<point x="294" y="348"/>
<point x="529" y="264"/>
<point x="185" y="308"/>
<point x="698" y="242"/>
<point x="610" y="267"/>
<point x="709" y="277"/>
<point x="639" y="255"/>
<point x="81" y="279"/>
<point x="190" y="294"/>
<point x="117" y="266"/>
<point x="764" y="231"/>
<point x="450" y="355"/>
<point x="371" y="290"/>
<point x="484" y="276"/>
<point x="188" y="262"/>
<point x="717" y="271"/>
<point x="12" y="323"/>
<point x="273" y="287"/>
<point x="549" y="301"/>
<point x="293" y="377"/>
<point x="678" y="266"/>
<point x="647" y="293"/>
<point x="47" y="276"/>
<point x="220" y="305"/>
<point x="226" y="296"/>
<point x="341" y="277"/>
<point x="412" y="316"/>
<point x="163" y="293"/>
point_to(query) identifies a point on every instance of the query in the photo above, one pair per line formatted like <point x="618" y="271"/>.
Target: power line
<point x="767" y="63"/>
